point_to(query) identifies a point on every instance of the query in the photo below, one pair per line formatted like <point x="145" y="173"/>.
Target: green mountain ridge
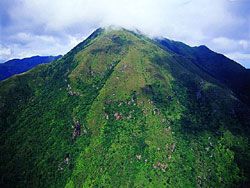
<point x="118" y="110"/>
<point x="230" y="73"/>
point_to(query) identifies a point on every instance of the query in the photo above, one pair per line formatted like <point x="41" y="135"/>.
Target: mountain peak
<point x="203" y="47"/>
<point x="123" y="110"/>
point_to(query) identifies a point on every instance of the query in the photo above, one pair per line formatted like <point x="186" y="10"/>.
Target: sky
<point x="52" y="27"/>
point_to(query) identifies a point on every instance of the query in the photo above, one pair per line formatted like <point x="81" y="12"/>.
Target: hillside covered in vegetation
<point x="121" y="110"/>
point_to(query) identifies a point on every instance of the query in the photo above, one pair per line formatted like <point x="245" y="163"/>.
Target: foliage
<point x="147" y="120"/>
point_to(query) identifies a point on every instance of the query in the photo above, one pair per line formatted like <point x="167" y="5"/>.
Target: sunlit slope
<point x="145" y="120"/>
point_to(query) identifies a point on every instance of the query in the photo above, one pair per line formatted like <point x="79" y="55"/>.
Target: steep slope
<point x="119" y="111"/>
<point x="17" y="66"/>
<point x="227" y="71"/>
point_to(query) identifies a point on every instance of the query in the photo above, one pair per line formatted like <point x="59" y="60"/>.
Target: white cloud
<point x="245" y="44"/>
<point x="229" y="45"/>
<point x="240" y="57"/>
<point x="181" y="19"/>
<point x="5" y="53"/>
<point x="153" y="16"/>
<point x="31" y="45"/>
<point x="57" y="24"/>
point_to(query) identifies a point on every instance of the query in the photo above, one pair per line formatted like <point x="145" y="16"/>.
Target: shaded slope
<point x="146" y="120"/>
<point x="227" y="71"/>
<point x="17" y="66"/>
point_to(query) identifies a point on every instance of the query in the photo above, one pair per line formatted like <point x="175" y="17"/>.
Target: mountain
<point x="17" y="66"/>
<point x="227" y="71"/>
<point x="119" y="110"/>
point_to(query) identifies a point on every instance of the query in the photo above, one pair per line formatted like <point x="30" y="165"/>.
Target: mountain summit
<point x="122" y="110"/>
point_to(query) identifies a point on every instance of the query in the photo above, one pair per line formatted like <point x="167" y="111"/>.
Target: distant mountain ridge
<point x="17" y="66"/>
<point x="225" y="70"/>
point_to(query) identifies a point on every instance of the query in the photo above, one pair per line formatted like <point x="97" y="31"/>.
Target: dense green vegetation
<point x="149" y="118"/>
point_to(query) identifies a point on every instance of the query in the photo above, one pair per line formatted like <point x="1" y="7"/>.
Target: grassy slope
<point x="175" y="127"/>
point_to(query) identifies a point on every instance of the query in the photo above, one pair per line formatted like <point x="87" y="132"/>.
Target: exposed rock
<point x="138" y="157"/>
<point x="77" y="130"/>
<point x="117" y="116"/>
<point x="106" y="116"/>
<point x="161" y="166"/>
<point x="66" y="159"/>
<point x="156" y="111"/>
<point x="173" y="147"/>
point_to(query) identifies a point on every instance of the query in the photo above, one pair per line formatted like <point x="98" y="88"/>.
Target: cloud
<point x="240" y="57"/>
<point x="5" y="53"/>
<point x="217" y="23"/>
<point x="230" y="45"/>
<point x="30" y="44"/>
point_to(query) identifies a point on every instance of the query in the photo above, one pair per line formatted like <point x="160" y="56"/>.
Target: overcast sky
<point x="51" y="27"/>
